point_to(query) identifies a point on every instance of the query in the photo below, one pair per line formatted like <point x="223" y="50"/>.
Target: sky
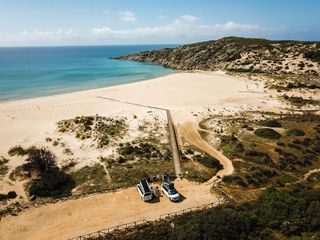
<point x="116" y="22"/>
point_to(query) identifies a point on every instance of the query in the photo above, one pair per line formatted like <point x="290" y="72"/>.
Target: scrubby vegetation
<point x="236" y="54"/>
<point x="313" y="55"/>
<point x="100" y="129"/>
<point x="300" y="101"/>
<point x="296" y="132"/>
<point x="47" y="179"/>
<point x="142" y="151"/>
<point x="139" y="159"/>
<point x="19" y="151"/>
<point x="9" y="195"/>
<point x="290" y="82"/>
<point x="17" y="174"/>
<point x="197" y="166"/>
<point x="287" y="213"/>
<point x="268" y="161"/>
<point x="91" y="179"/>
<point x="270" y="123"/>
<point x="208" y="161"/>
<point x="3" y="167"/>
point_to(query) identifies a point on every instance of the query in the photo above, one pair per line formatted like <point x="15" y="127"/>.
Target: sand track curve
<point x="189" y="132"/>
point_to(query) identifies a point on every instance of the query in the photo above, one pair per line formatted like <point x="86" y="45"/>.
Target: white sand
<point x="26" y="120"/>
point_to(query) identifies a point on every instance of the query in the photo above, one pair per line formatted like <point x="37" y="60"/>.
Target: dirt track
<point x="76" y="217"/>
<point x="189" y="132"/>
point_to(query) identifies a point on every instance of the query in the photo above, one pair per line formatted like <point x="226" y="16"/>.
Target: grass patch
<point x="91" y="179"/>
<point x="129" y="174"/>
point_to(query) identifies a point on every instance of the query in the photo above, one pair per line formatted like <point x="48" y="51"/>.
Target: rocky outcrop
<point x="238" y="54"/>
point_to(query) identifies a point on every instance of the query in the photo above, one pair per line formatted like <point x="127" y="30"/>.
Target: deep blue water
<point x="41" y="71"/>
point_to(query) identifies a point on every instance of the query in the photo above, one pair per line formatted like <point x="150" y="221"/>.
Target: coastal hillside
<point x="238" y="54"/>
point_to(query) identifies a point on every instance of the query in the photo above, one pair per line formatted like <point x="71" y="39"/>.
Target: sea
<point x="28" y="72"/>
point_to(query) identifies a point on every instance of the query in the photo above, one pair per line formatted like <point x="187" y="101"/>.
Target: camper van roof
<point x="145" y="185"/>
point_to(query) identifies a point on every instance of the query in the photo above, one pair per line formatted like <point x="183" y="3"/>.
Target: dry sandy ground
<point x="187" y="95"/>
<point x="71" y="218"/>
<point x="189" y="132"/>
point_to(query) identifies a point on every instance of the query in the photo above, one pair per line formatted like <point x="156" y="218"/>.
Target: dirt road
<point x="189" y="132"/>
<point x="76" y="217"/>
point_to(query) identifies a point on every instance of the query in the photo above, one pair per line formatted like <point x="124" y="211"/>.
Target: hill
<point x="238" y="54"/>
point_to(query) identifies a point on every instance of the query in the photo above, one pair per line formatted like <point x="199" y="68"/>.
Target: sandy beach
<point x="188" y="95"/>
<point x="26" y="120"/>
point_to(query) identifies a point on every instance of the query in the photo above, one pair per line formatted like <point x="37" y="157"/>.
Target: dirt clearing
<point x="71" y="218"/>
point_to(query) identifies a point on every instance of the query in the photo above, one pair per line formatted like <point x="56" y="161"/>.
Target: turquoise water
<point x="42" y="71"/>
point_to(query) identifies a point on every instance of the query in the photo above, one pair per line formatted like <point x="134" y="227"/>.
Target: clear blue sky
<point x="86" y="22"/>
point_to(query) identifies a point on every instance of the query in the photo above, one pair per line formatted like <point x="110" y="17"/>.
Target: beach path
<point x="189" y="132"/>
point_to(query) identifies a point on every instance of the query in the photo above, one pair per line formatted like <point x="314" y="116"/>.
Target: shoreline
<point x="84" y="90"/>
<point x="111" y="87"/>
<point x="29" y="121"/>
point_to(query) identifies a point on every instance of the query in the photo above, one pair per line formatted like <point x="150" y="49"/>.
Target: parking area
<point x="72" y="218"/>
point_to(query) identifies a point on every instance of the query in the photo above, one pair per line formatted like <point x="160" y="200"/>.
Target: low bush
<point x="270" y="123"/>
<point x="19" y="151"/>
<point x="3" y="166"/>
<point x="208" y="161"/>
<point x="267" y="133"/>
<point x="295" y="132"/>
<point x="300" y="101"/>
<point x="12" y="194"/>
<point x="313" y="55"/>
<point x="48" y="179"/>
<point x="234" y="179"/>
<point x="9" y="195"/>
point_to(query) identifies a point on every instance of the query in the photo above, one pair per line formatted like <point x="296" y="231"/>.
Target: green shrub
<point x="300" y="101"/>
<point x="12" y="194"/>
<point x="313" y="55"/>
<point x="209" y="161"/>
<point x="9" y="195"/>
<point x="234" y="179"/>
<point x="295" y="132"/>
<point x="49" y="180"/>
<point x="3" y="166"/>
<point x="267" y="133"/>
<point x="270" y="123"/>
<point x="3" y="196"/>
<point x="19" y="151"/>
